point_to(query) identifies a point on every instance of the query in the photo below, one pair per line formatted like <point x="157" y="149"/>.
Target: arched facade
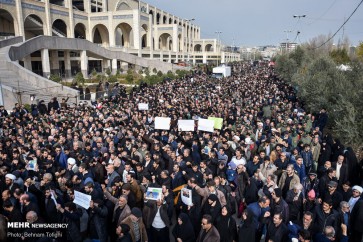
<point x="100" y="35"/>
<point x="165" y="42"/>
<point x="136" y="26"/>
<point x="124" y="35"/>
<point x="80" y="31"/>
<point x="33" y="26"/>
<point x="8" y="24"/>
<point x="197" y="48"/>
<point x="59" y="28"/>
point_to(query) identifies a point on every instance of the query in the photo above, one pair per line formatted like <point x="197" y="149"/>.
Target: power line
<point x="314" y="20"/>
<point x="341" y="26"/>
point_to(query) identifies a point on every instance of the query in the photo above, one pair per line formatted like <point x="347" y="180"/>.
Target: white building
<point x="130" y="26"/>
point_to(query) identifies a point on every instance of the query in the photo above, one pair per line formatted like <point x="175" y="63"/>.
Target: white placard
<point x="186" y="196"/>
<point x="82" y="199"/>
<point x="143" y="106"/>
<point x="206" y="125"/>
<point x="186" y="125"/>
<point x="153" y="193"/>
<point x="162" y="123"/>
<point x="52" y="196"/>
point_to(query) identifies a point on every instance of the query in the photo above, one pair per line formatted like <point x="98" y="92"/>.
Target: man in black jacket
<point x="341" y="171"/>
<point x="277" y="230"/>
<point x="97" y="220"/>
<point x="325" y="215"/>
<point x="356" y="222"/>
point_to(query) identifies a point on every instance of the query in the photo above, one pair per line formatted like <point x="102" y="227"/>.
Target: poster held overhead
<point x="82" y="199"/>
<point x="153" y="193"/>
<point x="186" y="196"/>
<point x="185" y="125"/>
<point x="205" y="125"/>
<point x="218" y="122"/>
<point x="162" y="123"/>
<point x="143" y="106"/>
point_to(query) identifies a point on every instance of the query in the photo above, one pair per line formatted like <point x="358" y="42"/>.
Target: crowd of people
<point x="271" y="172"/>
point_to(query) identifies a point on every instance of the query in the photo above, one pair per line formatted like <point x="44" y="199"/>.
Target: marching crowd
<point x="271" y="172"/>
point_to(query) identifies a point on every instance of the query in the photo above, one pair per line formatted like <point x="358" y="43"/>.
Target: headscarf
<point x="185" y="231"/>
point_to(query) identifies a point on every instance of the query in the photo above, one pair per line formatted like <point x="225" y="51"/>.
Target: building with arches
<point x="130" y="26"/>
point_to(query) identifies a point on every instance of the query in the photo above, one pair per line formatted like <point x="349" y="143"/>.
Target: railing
<point x="54" y="30"/>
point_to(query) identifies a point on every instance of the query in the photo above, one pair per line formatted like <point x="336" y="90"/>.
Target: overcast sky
<point x="263" y="22"/>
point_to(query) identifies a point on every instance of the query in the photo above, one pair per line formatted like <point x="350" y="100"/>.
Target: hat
<point x="278" y="192"/>
<point x="71" y="161"/>
<point x="136" y="212"/>
<point x="358" y="188"/>
<point x="10" y="176"/>
<point x="311" y="194"/>
<point x="332" y="184"/>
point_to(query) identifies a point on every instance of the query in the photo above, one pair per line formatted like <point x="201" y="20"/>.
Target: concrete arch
<point x="122" y="6"/>
<point x="60" y="27"/>
<point x="165" y="42"/>
<point x="33" y="26"/>
<point x="145" y="27"/>
<point x="144" y="36"/>
<point x="198" y="48"/>
<point x="208" y="48"/>
<point x="124" y="35"/>
<point x="8" y="22"/>
<point x="144" y="41"/>
<point x="100" y="35"/>
<point x="80" y="31"/>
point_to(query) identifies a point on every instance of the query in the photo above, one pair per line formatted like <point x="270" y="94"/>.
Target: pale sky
<point x="263" y="22"/>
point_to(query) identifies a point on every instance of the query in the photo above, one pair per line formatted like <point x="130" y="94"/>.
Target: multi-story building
<point x="129" y="26"/>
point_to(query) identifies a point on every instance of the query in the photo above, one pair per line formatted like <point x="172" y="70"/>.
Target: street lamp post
<point x="218" y="42"/>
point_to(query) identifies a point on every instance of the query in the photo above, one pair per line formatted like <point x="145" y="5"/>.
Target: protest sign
<point x="206" y="125"/>
<point x="143" y="106"/>
<point x="186" y="125"/>
<point x="52" y="196"/>
<point x="162" y="123"/>
<point x="186" y="196"/>
<point x="82" y="199"/>
<point x="153" y="193"/>
<point x="218" y="122"/>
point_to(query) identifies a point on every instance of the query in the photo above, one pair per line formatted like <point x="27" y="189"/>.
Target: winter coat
<point x="143" y="234"/>
<point x="294" y="181"/>
<point x="98" y="221"/>
<point x="211" y="236"/>
<point x="125" y="212"/>
<point x="322" y="221"/>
